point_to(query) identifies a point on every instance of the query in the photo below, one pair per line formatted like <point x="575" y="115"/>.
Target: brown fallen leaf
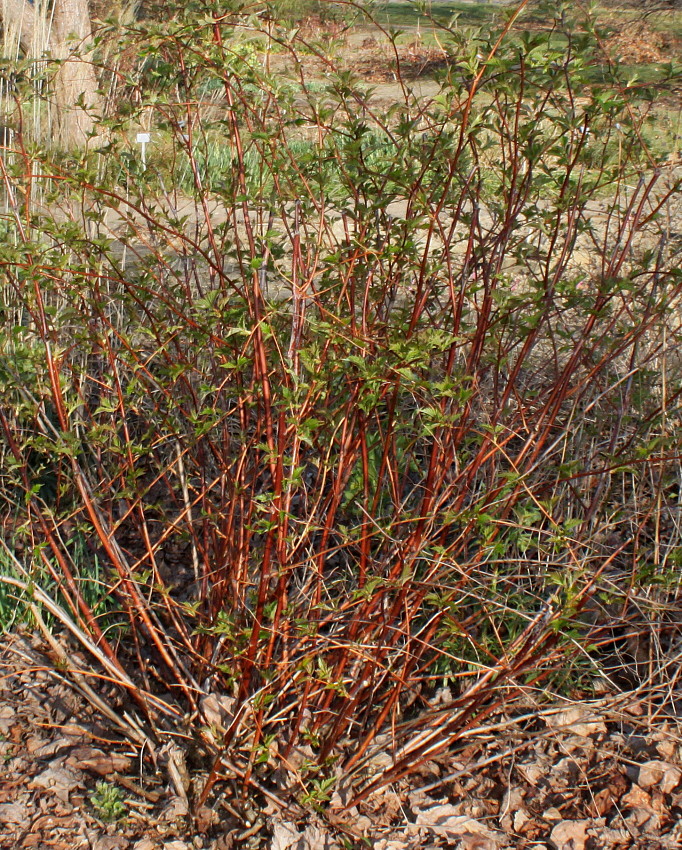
<point x="7" y="717"/>
<point x="59" y="780"/>
<point x="284" y="836"/>
<point x="446" y="822"/>
<point x="16" y="734"/>
<point x="661" y="774"/>
<point x="204" y="818"/>
<point x="618" y="785"/>
<point x="576" y="721"/>
<point x="614" y="837"/>
<point x="521" y="818"/>
<point x="602" y="802"/>
<point x="99" y="762"/>
<point x="666" y="748"/>
<point x="639" y="815"/>
<point x="176" y="767"/>
<point x="531" y="772"/>
<point x="513" y="804"/>
<point x="175" y="809"/>
<point x="13" y="812"/>
<point x="316" y="838"/>
<point x="145" y="844"/>
<point x="218" y="710"/>
<point x="569" y="835"/>
<point x="636" y="798"/>
<point x="111" y="842"/>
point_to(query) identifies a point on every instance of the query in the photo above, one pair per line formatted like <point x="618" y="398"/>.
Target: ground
<point x="601" y="773"/>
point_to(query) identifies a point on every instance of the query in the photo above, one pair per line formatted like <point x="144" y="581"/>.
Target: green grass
<point x="404" y="13"/>
<point x="407" y="13"/>
<point x="12" y="610"/>
<point x="89" y="577"/>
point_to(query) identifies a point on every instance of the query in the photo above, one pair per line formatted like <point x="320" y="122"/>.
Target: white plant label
<point x="143" y="140"/>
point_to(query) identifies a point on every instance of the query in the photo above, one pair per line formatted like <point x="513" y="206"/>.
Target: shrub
<point x="380" y="399"/>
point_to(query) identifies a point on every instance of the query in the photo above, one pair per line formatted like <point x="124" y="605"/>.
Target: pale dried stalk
<point x="188" y="508"/>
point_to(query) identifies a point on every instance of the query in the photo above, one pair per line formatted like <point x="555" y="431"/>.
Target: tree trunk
<point x="75" y="82"/>
<point x="68" y="40"/>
